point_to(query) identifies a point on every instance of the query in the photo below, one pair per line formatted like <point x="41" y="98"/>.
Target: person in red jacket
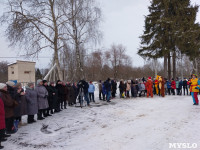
<point x="173" y="86"/>
<point x="149" y="87"/>
<point x="2" y="122"/>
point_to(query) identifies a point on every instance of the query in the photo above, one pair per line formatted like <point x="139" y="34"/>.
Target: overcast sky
<point x="122" y="24"/>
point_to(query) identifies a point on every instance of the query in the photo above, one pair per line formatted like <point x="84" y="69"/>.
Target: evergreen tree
<point x="38" y="74"/>
<point x="169" y="29"/>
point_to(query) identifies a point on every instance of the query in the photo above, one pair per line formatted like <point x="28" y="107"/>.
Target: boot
<point x="48" y="114"/>
<point x="52" y="111"/>
<point x="40" y="115"/>
<point x="3" y="139"/>
<point x="1" y="147"/>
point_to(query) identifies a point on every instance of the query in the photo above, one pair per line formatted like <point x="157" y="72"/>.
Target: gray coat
<point x="42" y="95"/>
<point x="31" y="98"/>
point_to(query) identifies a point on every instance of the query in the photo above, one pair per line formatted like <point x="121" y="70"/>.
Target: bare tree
<point x="3" y="71"/>
<point x="84" y="17"/>
<point x="36" y="25"/>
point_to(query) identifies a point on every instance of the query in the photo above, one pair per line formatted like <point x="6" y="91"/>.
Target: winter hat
<point x="90" y="82"/>
<point x="2" y="85"/>
<point x="18" y="85"/>
<point x="30" y="84"/>
<point x="38" y="81"/>
<point x="149" y="78"/>
<point x="10" y="83"/>
<point x="194" y="75"/>
<point x="44" y="81"/>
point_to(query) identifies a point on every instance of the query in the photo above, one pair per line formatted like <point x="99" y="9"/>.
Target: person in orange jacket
<point x="149" y="87"/>
<point x="194" y="89"/>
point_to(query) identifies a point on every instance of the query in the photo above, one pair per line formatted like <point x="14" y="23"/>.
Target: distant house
<point x="22" y="72"/>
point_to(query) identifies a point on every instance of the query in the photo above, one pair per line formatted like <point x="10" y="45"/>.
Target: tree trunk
<point x="169" y="66"/>
<point x="165" y="65"/>
<point x="60" y="75"/>
<point x="156" y="69"/>
<point x="174" y="64"/>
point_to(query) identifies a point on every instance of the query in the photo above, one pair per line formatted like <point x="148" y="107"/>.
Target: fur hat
<point x="38" y="81"/>
<point x="2" y="85"/>
<point x="10" y="83"/>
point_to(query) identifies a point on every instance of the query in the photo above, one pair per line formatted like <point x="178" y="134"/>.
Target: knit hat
<point x="44" y="81"/>
<point x="30" y="84"/>
<point x="10" y="83"/>
<point x="194" y="75"/>
<point x="18" y="85"/>
<point x="2" y="85"/>
<point x="38" y="81"/>
<point x="149" y="78"/>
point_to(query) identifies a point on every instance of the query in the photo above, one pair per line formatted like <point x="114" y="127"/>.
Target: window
<point x="26" y="72"/>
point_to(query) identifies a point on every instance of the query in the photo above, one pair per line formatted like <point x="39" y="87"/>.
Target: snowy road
<point x="134" y="124"/>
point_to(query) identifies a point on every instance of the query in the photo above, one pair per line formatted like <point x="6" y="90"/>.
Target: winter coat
<point x="9" y="104"/>
<point x="71" y="94"/>
<point x="2" y="115"/>
<point x="173" y="84"/>
<point x="122" y="87"/>
<point x="114" y="86"/>
<point x="91" y="88"/>
<point x="52" y="97"/>
<point x="141" y="87"/>
<point x="32" y="103"/>
<point x="61" y="92"/>
<point x="100" y="87"/>
<point x="103" y="89"/>
<point x="76" y="92"/>
<point x="194" y="84"/>
<point x="42" y="95"/>
<point x="168" y="84"/>
<point x="11" y="91"/>
<point x="185" y="83"/>
<point x="21" y="108"/>
<point x="180" y="85"/>
<point x="134" y="90"/>
<point x="108" y="86"/>
<point x="128" y="87"/>
<point x="83" y="85"/>
<point x="177" y="84"/>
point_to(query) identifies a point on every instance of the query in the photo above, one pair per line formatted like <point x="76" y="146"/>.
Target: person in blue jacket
<point x="108" y="89"/>
<point x="180" y="87"/>
<point x="169" y="87"/>
<point x="104" y="91"/>
<point x="91" y="90"/>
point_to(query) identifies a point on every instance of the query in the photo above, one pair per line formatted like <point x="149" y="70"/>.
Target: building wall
<point x="13" y="72"/>
<point x="24" y="72"/>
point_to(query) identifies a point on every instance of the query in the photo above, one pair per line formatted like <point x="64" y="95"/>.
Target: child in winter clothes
<point x="128" y="88"/>
<point x="91" y="90"/>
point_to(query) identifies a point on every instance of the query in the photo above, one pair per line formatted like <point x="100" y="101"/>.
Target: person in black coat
<point x="83" y="89"/>
<point x="121" y="88"/>
<point x="52" y="98"/>
<point x="185" y="86"/>
<point x="114" y="88"/>
<point x="60" y="89"/>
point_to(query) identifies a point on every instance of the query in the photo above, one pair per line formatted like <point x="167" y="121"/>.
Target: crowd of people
<point x="45" y="98"/>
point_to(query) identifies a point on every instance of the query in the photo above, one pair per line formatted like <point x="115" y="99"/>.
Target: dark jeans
<point x="91" y="96"/>
<point x="173" y="92"/>
<point x="100" y="94"/>
<point x="9" y="124"/>
<point x="185" y="89"/>
<point x="169" y="91"/>
<point x="18" y="118"/>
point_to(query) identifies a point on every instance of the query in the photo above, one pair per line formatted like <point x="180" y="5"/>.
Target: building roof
<point x="21" y="61"/>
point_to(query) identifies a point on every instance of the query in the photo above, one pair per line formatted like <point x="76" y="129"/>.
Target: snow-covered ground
<point x="127" y="124"/>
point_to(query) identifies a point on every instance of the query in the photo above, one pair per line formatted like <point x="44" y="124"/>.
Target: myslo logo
<point x="183" y="145"/>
